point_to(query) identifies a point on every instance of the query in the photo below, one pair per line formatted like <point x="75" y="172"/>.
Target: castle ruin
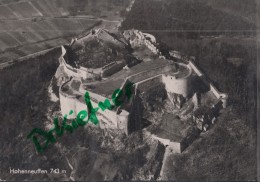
<point x="102" y="62"/>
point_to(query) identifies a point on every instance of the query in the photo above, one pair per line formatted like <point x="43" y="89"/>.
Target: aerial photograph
<point x="129" y="90"/>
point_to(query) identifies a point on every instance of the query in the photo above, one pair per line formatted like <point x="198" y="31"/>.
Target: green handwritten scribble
<point x="92" y="117"/>
<point x="59" y="130"/>
<point x="118" y="93"/>
<point x="66" y="126"/>
<point x="82" y="118"/>
<point x="74" y="124"/>
<point x="128" y="89"/>
<point x="105" y="105"/>
<point x="47" y="135"/>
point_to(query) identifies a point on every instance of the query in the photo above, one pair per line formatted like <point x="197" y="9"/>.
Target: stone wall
<point x="195" y="69"/>
<point x="148" y="83"/>
<point x="69" y="70"/>
<point x="219" y="95"/>
<point x="153" y="39"/>
<point x="151" y="73"/>
<point x="135" y="114"/>
<point x="176" y="147"/>
<point x="80" y="72"/>
<point x="142" y="38"/>
<point x="67" y="103"/>
<point x="107" y="119"/>
<point x="121" y="118"/>
<point x="109" y="70"/>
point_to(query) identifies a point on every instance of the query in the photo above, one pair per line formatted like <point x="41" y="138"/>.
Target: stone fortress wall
<point x="80" y="72"/>
<point x="142" y="38"/>
<point x="174" y="84"/>
<point x="112" y="68"/>
<point x="181" y="85"/>
<point x="108" y="118"/>
<point x="176" y="147"/>
<point x="129" y="119"/>
<point x="148" y="83"/>
<point x="147" y="74"/>
<point x="219" y="95"/>
<point x="67" y="101"/>
<point x="88" y="73"/>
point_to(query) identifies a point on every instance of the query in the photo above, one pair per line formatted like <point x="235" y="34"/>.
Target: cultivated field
<point x="29" y="26"/>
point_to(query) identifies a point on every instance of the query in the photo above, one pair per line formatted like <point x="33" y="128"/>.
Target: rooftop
<point x="108" y="86"/>
<point x="171" y="128"/>
<point x="182" y="71"/>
